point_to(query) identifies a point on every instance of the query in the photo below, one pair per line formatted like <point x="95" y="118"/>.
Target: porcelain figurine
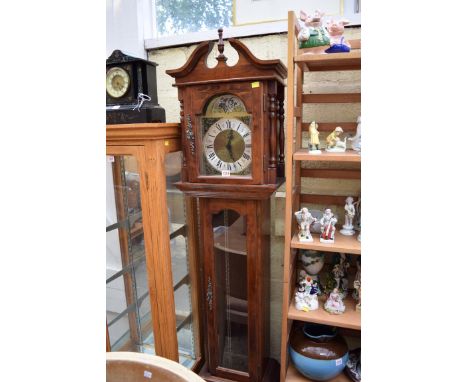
<point x="357" y="280"/>
<point x="340" y="273"/>
<point x="350" y="212"/>
<point x="334" y="304"/>
<point x="334" y="142"/>
<point x="356" y="145"/>
<point x="328" y="222"/>
<point x="306" y="295"/>
<point x="313" y="35"/>
<point x="314" y="142"/>
<point x="337" y="41"/>
<point x="304" y="219"/>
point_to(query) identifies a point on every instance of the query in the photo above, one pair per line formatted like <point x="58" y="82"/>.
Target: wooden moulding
<point x="349" y="156"/>
<point x="345" y="244"/>
<point x="228" y="191"/>
<point x="332" y="98"/>
<point x="350" y="319"/>
<point x="141" y="132"/>
<point x="196" y="71"/>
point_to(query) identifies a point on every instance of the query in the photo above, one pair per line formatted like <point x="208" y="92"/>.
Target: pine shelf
<point x="349" y="156"/>
<point x="329" y="62"/>
<point x="345" y="244"/>
<point x="294" y="376"/>
<point x="350" y="319"/>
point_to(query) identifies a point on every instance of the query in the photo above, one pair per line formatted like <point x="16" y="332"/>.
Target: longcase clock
<point x="232" y="139"/>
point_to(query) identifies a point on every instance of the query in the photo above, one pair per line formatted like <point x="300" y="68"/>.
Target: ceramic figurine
<point x="340" y="274"/>
<point x="306" y="295"/>
<point x="304" y="219"/>
<point x="357" y="280"/>
<point x="350" y="212"/>
<point x="356" y="145"/>
<point x="334" y="142"/>
<point x="314" y="142"/>
<point x="328" y="222"/>
<point x="334" y="304"/>
<point x="359" y="237"/>
<point x="313" y="35"/>
<point x="337" y="41"/>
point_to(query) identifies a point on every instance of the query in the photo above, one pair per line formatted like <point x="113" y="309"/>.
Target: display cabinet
<point x="151" y="281"/>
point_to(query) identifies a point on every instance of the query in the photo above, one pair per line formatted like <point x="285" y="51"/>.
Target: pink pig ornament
<point x="335" y="30"/>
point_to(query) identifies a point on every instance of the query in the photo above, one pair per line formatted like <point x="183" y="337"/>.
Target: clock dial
<point x="227" y="145"/>
<point x="117" y="82"/>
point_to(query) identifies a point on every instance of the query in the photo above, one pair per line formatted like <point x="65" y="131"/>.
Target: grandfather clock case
<point x="232" y="119"/>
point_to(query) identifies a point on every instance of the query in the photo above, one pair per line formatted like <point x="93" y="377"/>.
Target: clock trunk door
<point x="230" y="277"/>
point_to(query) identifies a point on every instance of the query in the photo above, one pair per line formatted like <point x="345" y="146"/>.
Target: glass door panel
<point x="128" y="308"/>
<point x="230" y="266"/>
<point x="180" y="260"/>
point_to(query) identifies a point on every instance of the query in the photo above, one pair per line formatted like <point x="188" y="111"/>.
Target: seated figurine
<point x="334" y="142"/>
<point x="304" y="219"/>
<point x="334" y="304"/>
<point x="313" y="35"/>
<point x="328" y="229"/>
<point x="337" y="41"/>
<point x="314" y="142"/>
<point x="306" y="296"/>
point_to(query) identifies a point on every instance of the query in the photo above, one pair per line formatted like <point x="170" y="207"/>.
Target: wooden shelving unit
<point x="295" y="169"/>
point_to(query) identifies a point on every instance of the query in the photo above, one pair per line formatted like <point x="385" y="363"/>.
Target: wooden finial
<point x="221" y="56"/>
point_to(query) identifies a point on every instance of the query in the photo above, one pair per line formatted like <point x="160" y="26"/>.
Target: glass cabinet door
<point x="230" y="272"/>
<point x="183" y="265"/>
<point x="128" y="308"/>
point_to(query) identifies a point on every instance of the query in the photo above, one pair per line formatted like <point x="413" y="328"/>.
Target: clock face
<point x="117" y="82"/>
<point x="227" y="145"/>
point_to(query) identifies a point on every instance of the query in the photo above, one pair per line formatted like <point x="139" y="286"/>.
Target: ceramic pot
<point x="318" y="351"/>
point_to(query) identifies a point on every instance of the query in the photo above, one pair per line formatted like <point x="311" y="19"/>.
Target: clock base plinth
<point x="271" y="374"/>
<point x="120" y="114"/>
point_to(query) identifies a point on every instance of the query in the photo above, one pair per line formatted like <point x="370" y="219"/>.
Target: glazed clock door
<point x="229" y="275"/>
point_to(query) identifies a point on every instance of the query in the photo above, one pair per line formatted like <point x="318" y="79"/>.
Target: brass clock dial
<point x="227" y="145"/>
<point x="117" y="82"/>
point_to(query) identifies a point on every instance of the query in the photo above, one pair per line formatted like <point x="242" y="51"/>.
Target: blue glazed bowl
<point x="317" y="351"/>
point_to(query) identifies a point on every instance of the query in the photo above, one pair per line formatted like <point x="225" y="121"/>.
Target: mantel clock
<point x="131" y="90"/>
<point x="233" y="160"/>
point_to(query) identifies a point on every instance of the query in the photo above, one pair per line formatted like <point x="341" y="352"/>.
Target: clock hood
<point x="118" y="57"/>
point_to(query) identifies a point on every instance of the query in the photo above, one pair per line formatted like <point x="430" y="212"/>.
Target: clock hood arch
<point x="196" y="70"/>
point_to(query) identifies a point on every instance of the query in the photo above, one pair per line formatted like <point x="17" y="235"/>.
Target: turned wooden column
<point x="272" y="163"/>
<point x="182" y="124"/>
<point x="281" y="133"/>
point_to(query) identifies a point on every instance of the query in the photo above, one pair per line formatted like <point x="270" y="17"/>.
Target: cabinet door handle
<point x="209" y="294"/>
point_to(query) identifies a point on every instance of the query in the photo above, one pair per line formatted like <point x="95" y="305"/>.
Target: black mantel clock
<point x="131" y="90"/>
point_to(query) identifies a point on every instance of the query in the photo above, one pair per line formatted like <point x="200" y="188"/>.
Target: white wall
<point x="128" y="24"/>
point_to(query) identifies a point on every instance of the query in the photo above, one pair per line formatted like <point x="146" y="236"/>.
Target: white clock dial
<point x="227" y="145"/>
<point x="117" y="82"/>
